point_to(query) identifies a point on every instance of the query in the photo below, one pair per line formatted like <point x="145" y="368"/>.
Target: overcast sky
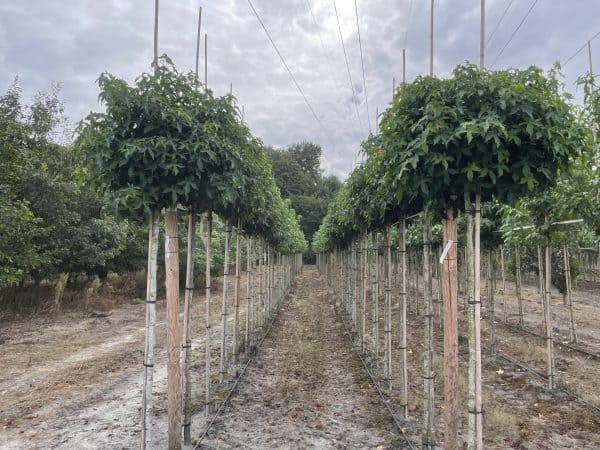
<point x="73" y="41"/>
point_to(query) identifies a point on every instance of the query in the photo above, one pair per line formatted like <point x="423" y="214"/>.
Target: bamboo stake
<point x="153" y="233"/>
<point x="207" y="395"/>
<point x="173" y="330"/>
<point x="428" y="439"/>
<point x="236" y="319"/>
<point x="187" y="330"/>
<point x="503" y="275"/>
<point x="450" y="297"/>
<point x="225" y="305"/>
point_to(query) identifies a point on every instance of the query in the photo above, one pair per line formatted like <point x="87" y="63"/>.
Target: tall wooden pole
<point x="198" y="40"/>
<point x="431" y="39"/>
<point x="173" y="331"/>
<point x="205" y="61"/>
<point x="155" y="32"/>
<point x="403" y="66"/>
<point x="548" y="314"/>
<point x="482" y="37"/>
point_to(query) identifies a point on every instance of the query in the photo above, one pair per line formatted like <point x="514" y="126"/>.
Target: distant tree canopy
<point x="297" y="171"/>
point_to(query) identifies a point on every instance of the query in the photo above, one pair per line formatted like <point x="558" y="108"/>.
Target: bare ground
<point x="306" y="388"/>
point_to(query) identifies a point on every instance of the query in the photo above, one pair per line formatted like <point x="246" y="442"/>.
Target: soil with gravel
<point x="306" y="388"/>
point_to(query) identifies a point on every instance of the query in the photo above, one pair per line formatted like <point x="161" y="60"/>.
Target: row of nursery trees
<point x="461" y="151"/>
<point x="167" y="144"/>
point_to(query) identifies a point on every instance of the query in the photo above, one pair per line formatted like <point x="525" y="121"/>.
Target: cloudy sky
<point x="73" y="41"/>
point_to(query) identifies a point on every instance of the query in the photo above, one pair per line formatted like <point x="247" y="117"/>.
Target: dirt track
<point x="306" y="389"/>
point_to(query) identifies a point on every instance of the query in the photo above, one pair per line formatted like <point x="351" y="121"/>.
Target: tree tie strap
<point x="148" y="365"/>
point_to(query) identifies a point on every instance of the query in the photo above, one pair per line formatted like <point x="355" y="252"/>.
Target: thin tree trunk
<point x="207" y="394"/>
<point x="187" y="330"/>
<point x="59" y="290"/>
<point x="450" y="297"/>
<point x="490" y="289"/>
<point x="503" y="275"/>
<point x="403" y="344"/>
<point x="249" y="282"/>
<point x="428" y="440"/>
<point x="518" y="285"/>
<point x="225" y="305"/>
<point x="365" y="282"/>
<point x="375" y="297"/>
<point x="388" y="308"/>
<point x="153" y="231"/>
<point x="572" y="331"/>
<point x="477" y="326"/>
<point x="173" y="330"/>
<point x="236" y="318"/>
<point x="548" y="315"/>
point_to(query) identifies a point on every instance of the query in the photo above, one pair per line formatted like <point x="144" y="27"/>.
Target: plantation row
<point x="510" y="156"/>
<point x="167" y="144"/>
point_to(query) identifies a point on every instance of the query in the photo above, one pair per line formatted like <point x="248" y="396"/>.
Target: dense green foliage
<point x="51" y="221"/>
<point x="299" y="177"/>
<point x="501" y="134"/>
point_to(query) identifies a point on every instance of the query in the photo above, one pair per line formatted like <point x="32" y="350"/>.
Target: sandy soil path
<point x="306" y="388"/>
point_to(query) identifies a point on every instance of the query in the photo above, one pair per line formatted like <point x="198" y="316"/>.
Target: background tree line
<point x="298" y="174"/>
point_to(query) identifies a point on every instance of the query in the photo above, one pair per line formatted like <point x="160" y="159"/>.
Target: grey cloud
<point x="73" y="41"/>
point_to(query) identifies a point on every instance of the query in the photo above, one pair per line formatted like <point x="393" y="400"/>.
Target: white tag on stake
<point x="446" y="250"/>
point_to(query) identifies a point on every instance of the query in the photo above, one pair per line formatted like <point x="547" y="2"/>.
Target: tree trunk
<point x="490" y="289"/>
<point x="207" y="395"/>
<point x="572" y="331"/>
<point x="450" y="297"/>
<point x="249" y="306"/>
<point x="225" y="305"/>
<point x="518" y="285"/>
<point x="403" y="344"/>
<point x="59" y="290"/>
<point x="187" y="330"/>
<point x="153" y="231"/>
<point x="173" y="330"/>
<point x="365" y="283"/>
<point x="236" y="318"/>
<point x="375" y="298"/>
<point x="428" y="439"/>
<point x="388" y="309"/>
<point x="548" y="315"/>
<point x="478" y="442"/>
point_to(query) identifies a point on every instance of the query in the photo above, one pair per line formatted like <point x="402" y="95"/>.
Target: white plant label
<point x="446" y="250"/>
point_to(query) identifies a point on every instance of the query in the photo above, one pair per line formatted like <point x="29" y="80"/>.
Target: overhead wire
<point x="323" y="49"/>
<point x="362" y="62"/>
<point x="347" y="65"/>
<point x="580" y="49"/>
<point x="287" y="68"/>
<point x="491" y="35"/>
<point x="515" y="32"/>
